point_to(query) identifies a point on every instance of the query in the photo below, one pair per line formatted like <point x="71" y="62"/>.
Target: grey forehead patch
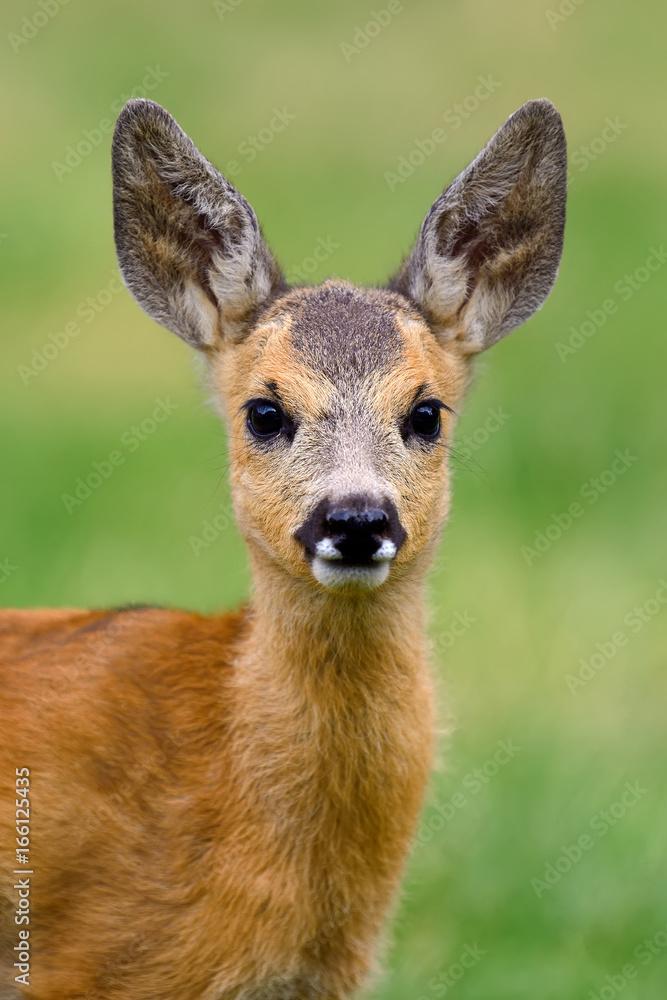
<point x="342" y="331"/>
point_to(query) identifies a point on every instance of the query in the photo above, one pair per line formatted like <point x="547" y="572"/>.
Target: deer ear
<point x="189" y="245"/>
<point x="488" y="251"/>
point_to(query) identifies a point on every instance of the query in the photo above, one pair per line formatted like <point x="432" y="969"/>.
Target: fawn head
<point x="340" y="401"/>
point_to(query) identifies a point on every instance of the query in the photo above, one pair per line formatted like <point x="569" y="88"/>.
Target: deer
<point x="222" y="806"/>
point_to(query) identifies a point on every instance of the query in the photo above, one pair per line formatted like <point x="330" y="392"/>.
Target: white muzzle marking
<point x="328" y="571"/>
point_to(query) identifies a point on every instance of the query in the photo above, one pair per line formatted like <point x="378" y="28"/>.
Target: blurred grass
<point x="323" y="176"/>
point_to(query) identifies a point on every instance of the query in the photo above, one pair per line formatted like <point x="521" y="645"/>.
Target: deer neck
<point x="334" y="689"/>
<point x="305" y="638"/>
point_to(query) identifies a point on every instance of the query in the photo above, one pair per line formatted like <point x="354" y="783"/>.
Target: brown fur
<point x="221" y="807"/>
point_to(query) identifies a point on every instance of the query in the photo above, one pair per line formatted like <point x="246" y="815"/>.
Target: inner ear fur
<point x="189" y="246"/>
<point x="488" y="251"/>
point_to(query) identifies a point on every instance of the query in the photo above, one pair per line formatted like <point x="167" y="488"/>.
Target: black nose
<point x="352" y="531"/>
<point x="356" y="534"/>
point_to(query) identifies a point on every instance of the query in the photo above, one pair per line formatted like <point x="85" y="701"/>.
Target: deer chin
<point x="334" y="574"/>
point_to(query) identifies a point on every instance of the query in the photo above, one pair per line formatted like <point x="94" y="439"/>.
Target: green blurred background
<point x="525" y="621"/>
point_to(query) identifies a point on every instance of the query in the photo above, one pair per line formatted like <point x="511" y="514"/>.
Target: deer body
<point x="254" y="832"/>
<point x="223" y="806"/>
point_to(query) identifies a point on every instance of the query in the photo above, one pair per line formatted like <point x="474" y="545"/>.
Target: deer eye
<point x="265" y="419"/>
<point x="425" y="420"/>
